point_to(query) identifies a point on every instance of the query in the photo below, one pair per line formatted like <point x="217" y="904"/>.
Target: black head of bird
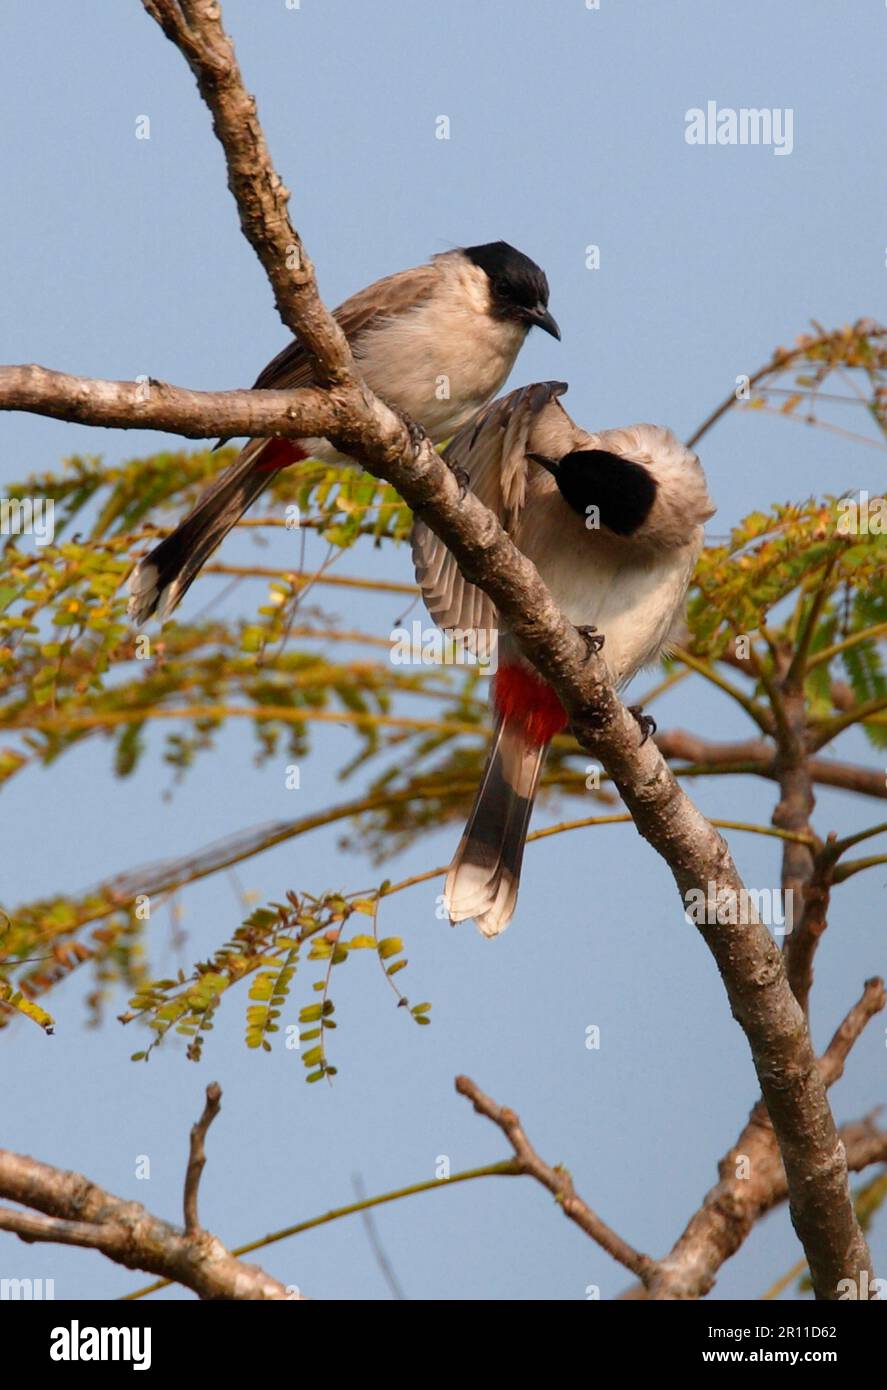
<point x="518" y="286"/>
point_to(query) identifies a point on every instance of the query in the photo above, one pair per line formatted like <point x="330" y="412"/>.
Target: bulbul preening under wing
<point x="436" y="342"/>
<point x="613" y="523"/>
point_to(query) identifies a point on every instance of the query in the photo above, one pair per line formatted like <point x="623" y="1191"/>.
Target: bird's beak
<point x="541" y="318"/>
<point x="550" y="465"/>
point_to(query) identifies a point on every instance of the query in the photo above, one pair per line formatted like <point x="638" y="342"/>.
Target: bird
<point x="435" y="342"/>
<point x="613" y="522"/>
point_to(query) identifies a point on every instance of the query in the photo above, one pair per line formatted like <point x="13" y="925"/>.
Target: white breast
<point x="634" y="595"/>
<point x="447" y="357"/>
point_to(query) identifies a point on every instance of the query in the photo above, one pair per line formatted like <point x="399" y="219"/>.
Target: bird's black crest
<point x="621" y="490"/>
<point x="516" y="281"/>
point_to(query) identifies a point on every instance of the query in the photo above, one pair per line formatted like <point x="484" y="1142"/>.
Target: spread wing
<point x="395" y="294"/>
<point x="492" y="450"/>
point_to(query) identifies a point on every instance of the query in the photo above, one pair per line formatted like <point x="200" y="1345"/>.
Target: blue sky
<point x="124" y="256"/>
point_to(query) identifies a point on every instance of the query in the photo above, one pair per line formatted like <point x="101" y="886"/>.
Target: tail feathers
<point x="483" y="878"/>
<point x="158" y="582"/>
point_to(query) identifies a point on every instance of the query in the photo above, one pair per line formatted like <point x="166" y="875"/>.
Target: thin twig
<point x="871" y="1002"/>
<point x="197" y="1155"/>
<point x="507" y="1168"/>
<point x="376" y="1246"/>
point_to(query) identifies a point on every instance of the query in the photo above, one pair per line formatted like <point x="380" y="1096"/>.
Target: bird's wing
<point x="492" y="450"/>
<point x="387" y="298"/>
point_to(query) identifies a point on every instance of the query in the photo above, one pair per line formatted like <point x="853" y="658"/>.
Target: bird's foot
<point x="462" y="479"/>
<point x="593" y="640"/>
<point x="645" y="722"/>
<point x="418" y="435"/>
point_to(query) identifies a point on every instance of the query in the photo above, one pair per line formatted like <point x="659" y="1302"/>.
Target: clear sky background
<point x="123" y="256"/>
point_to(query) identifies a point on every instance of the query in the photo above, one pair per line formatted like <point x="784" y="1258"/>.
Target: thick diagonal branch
<point x="195" y="27"/>
<point x="752" y="1177"/>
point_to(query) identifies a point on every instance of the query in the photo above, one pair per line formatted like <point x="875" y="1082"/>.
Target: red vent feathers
<point x="523" y="698"/>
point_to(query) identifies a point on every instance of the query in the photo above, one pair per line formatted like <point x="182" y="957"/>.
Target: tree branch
<point x="76" y="1211"/>
<point x="156" y="405"/>
<point x="871" y="1002"/>
<point x="506" y="1168"/>
<point x="804" y="876"/>
<point x="557" y="1180"/>
<point x="826" y="730"/>
<point x="779" y="361"/>
<point x="759" y="713"/>
<point x="757" y="756"/>
<point x="197" y="1155"/>
<point x="802" y="945"/>
<point x="752" y="1177"/>
<point x="195" y="27"/>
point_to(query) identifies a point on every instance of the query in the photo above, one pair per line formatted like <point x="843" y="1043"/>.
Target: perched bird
<point x="436" y="343"/>
<point x="613" y="523"/>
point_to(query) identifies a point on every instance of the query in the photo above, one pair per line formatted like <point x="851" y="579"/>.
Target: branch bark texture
<point x="69" y="1209"/>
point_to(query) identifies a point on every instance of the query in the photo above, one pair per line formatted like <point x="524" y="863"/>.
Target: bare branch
<point x="757" y="756"/>
<point x="828" y="729"/>
<point x="757" y="712"/>
<point x="197" y="1155"/>
<point x="779" y="361"/>
<point x="857" y="866"/>
<point x="557" y="1180"/>
<point x="48" y="1228"/>
<point x="197" y="31"/>
<point x="156" y="405"/>
<point x="804" y="877"/>
<point x="872" y="1001"/>
<point x="506" y="1169"/>
<point x="378" y="1249"/>
<point x="76" y="1211"/>
<point x="865" y="1144"/>
<point x="752" y="1177"/>
<point x="802" y="945"/>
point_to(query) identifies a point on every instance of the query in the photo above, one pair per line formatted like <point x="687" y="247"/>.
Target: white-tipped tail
<point x="484" y="876"/>
<point x="146" y="596"/>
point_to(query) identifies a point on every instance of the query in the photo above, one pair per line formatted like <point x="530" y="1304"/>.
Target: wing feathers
<point x="387" y="298"/>
<point x="492" y="451"/>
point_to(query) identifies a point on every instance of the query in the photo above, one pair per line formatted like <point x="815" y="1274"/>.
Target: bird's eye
<point x="501" y="287"/>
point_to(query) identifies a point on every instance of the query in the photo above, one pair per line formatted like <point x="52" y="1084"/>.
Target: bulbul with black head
<point x="436" y="343"/>
<point x="613" y="522"/>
